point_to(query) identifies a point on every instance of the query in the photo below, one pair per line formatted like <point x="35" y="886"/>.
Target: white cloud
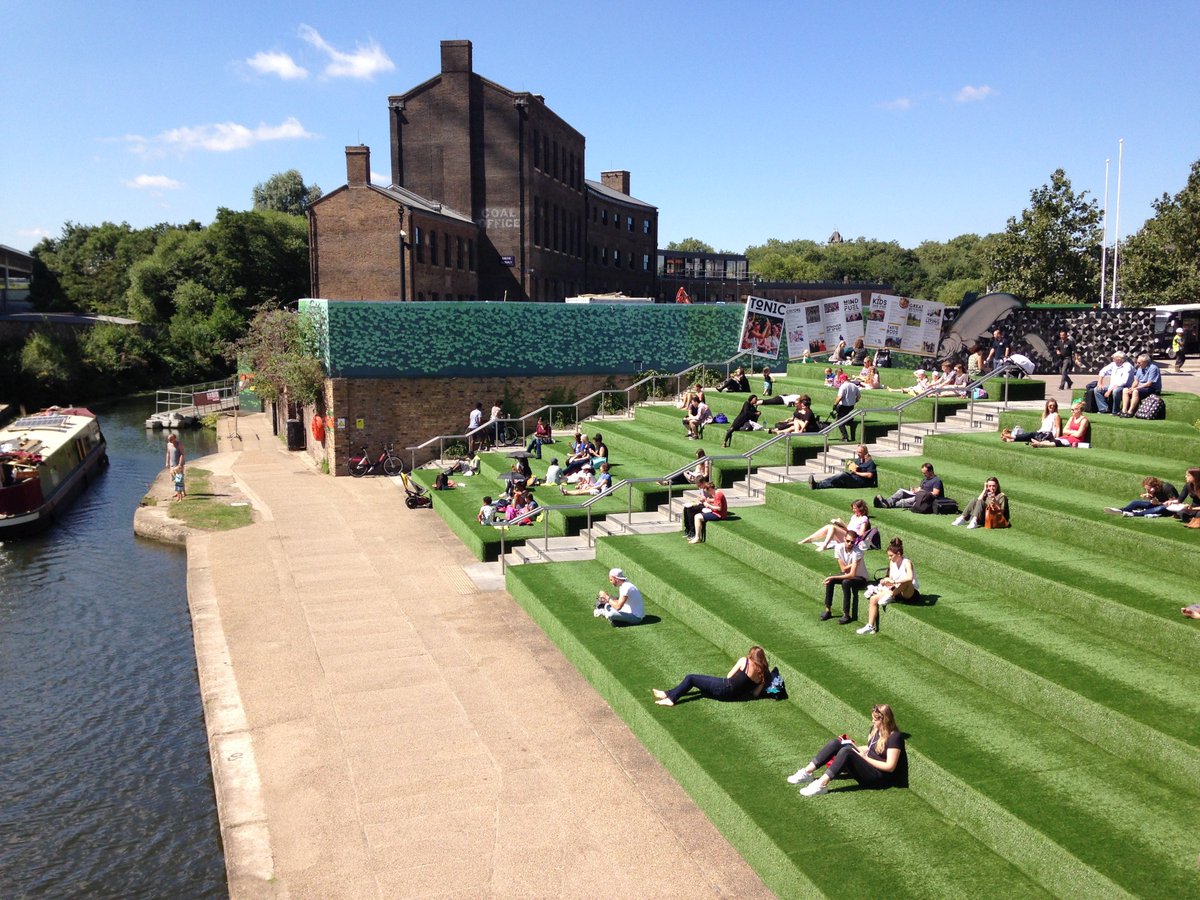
<point x="220" y="137"/>
<point x="380" y="179"/>
<point x="365" y="62"/>
<point x="971" y="94"/>
<point x="899" y="103"/>
<point x="275" y="63"/>
<point x="154" y="183"/>
<point x="38" y="233"/>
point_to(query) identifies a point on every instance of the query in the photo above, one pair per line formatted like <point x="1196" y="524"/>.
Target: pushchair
<point x="416" y="497"/>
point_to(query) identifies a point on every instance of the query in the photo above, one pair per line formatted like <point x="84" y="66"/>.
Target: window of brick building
<point x="616" y="219"/>
<point x="433" y="248"/>
<point x="616" y="257"/>
<point x="546" y="154"/>
<point x="645" y="262"/>
<point x="604" y="255"/>
<point x="537" y="150"/>
<point x="645" y="226"/>
<point x="604" y="217"/>
<point x="421" y="296"/>
<point x="433" y="296"/>
<point x="446" y="247"/>
<point x="459" y="257"/>
<point x="471" y="254"/>
<point x="630" y="223"/>
<point x="418" y="244"/>
<point x="554" y="158"/>
<point x="631" y="259"/>
<point x="537" y="222"/>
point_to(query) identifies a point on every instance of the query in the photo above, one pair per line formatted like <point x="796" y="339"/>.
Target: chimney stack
<point x="358" y="165"/>
<point x="617" y="181"/>
<point x="456" y="56"/>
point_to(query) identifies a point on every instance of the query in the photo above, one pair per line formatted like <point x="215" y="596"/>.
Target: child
<point x="487" y="512"/>
<point x="177" y="475"/>
<point x="828" y="377"/>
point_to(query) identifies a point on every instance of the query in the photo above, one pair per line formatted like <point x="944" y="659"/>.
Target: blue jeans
<point x="1102" y="404"/>
<point x="711" y="686"/>
<point x="535" y="446"/>
<point x="1144" y="508"/>
<point x="620" y="616"/>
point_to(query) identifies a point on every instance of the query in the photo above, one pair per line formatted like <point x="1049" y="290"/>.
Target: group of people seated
<point x="1120" y="386"/>
<point x="1161" y="499"/>
<point x="1051" y="432"/>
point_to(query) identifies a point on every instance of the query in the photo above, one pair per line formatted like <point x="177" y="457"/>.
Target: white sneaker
<point x="959" y="520"/>
<point x="1152" y="516"/>
<point x="1112" y="509"/>
<point x="817" y="787"/>
<point x="866" y="629"/>
<point x="974" y="523"/>
<point x="1127" y="514"/>
<point x="800" y="777"/>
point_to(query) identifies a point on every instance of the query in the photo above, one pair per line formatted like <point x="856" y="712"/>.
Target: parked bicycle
<point x="388" y="463"/>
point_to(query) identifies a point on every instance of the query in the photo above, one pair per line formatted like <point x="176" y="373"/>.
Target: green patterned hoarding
<point x="403" y="340"/>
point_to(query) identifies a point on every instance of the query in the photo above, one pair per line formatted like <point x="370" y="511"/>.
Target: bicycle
<point x="387" y="462"/>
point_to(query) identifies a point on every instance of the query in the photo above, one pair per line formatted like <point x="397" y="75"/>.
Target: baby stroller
<point x="416" y="496"/>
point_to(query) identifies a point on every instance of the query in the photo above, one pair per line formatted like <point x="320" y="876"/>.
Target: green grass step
<point x="1181" y="406"/>
<point x="1110" y="471"/>
<point x="1026" y="654"/>
<point x="1139" y="436"/>
<point x="1027" y="570"/>
<point x="977" y="738"/>
<point x="737" y="778"/>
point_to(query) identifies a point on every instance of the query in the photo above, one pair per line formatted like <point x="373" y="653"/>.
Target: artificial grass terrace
<point x="1048" y="691"/>
<point x="1148" y="437"/>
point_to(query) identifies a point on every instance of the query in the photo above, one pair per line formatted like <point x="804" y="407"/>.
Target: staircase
<point x="905" y="441"/>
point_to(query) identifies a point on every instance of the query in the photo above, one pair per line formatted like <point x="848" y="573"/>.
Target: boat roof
<point x="44" y="432"/>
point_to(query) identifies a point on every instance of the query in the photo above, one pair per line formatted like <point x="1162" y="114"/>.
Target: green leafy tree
<point x="281" y="349"/>
<point x="691" y="245"/>
<point x="87" y="267"/>
<point x="953" y="269"/>
<point x="285" y="192"/>
<point x="51" y="362"/>
<point x="1161" y="262"/>
<point x="1051" y="254"/>
<point x="116" y="352"/>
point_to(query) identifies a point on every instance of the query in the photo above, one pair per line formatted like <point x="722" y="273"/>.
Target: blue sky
<point x="741" y="122"/>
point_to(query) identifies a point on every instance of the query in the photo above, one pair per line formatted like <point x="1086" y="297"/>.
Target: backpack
<point x="1151" y="407"/>
<point x="870" y="539"/>
<point x="1089" y="400"/>
<point x="720" y="419"/>
<point x="944" y="506"/>
<point x="775" y="689"/>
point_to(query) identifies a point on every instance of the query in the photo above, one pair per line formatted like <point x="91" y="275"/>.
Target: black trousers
<point x="850" y="587"/>
<point x="1064" y="383"/>
<point x="838" y="412"/>
<point x="689" y="518"/>
<point x="846" y="761"/>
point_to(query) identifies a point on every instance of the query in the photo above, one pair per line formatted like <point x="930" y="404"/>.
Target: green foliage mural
<point x="394" y="340"/>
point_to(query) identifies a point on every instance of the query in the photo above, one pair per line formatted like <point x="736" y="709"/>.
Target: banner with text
<point x="762" y="327"/>
<point x="818" y="325"/>
<point x="900" y="323"/>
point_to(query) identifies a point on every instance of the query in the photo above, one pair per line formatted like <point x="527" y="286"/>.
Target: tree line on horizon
<point x="195" y="289"/>
<point x="1050" y="253"/>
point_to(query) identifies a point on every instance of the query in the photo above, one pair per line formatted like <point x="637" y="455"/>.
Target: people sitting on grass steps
<point x="736" y="383"/>
<point x="1077" y="431"/>
<point x="745" y="420"/>
<point x="920" y="499"/>
<point x="852" y="576"/>
<point x="712" y="508"/>
<point x="541" y="436"/>
<point x="836" y="530"/>
<point x="601" y="482"/>
<point x="921" y="385"/>
<point x="487" y="512"/>
<point x="989" y="509"/>
<point x="880" y="763"/>
<point x="803" y="418"/>
<point x="554" y="472"/>
<point x="861" y="472"/>
<point x="1147" y="380"/>
<point x="1048" y="431"/>
<point x="745" y="680"/>
<point x="627" y="607"/>
<point x="1187" y="508"/>
<point x="696" y="417"/>
<point x="700" y="472"/>
<point x="900" y="583"/>
<point x="1153" y="503"/>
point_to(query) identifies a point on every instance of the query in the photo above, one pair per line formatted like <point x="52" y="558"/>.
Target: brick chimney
<point x="456" y="56"/>
<point x="358" y="165"/>
<point x="617" y="181"/>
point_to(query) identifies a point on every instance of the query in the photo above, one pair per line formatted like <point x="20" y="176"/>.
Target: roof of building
<point x="609" y="194"/>
<point x="416" y="201"/>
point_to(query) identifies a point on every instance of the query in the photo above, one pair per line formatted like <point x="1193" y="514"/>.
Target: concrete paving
<point x="382" y="727"/>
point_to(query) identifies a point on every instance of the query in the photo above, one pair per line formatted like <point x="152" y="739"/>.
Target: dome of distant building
<point x="836" y="237"/>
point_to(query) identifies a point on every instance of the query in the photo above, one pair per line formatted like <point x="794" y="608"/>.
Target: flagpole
<point x="1104" y="238"/>
<point x="1117" y="221"/>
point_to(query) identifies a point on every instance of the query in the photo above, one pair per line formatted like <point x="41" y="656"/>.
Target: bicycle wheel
<point x="359" y="466"/>
<point x="508" y="436"/>
<point x="392" y="466"/>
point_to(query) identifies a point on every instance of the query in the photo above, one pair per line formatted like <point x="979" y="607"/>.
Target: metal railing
<point x="786" y="438"/>
<point x="209" y="395"/>
<point x="627" y="406"/>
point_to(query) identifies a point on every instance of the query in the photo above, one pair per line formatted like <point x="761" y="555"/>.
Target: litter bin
<point x="295" y="434"/>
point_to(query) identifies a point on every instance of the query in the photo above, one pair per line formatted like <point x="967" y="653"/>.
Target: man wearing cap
<point x="1177" y="351"/>
<point x="627" y="607"/>
<point x="1147" y="379"/>
<point x="1112" y="381"/>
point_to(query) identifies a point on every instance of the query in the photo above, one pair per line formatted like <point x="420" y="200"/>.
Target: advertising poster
<point x="762" y="327"/>
<point x="842" y="319"/>
<point x="901" y="323"/>
<point x="795" y="325"/>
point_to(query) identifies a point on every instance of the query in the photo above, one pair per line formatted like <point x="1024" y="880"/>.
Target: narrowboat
<point x="46" y="461"/>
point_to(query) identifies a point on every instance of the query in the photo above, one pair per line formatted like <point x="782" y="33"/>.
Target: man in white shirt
<point x="627" y="608"/>
<point x="1113" y="380"/>
<point x="554" y="472"/>
<point x="852" y="575"/>
<point x="847" y="398"/>
<point x="473" y="422"/>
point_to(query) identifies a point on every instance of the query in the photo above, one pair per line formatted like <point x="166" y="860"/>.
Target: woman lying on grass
<point x="746" y="679"/>
<point x="879" y="763"/>
<point x="835" y="531"/>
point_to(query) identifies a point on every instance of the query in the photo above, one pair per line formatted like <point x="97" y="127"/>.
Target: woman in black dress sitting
<point x="879" y="763"/>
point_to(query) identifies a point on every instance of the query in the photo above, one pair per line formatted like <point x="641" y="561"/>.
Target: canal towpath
<point x="385" y="721"/>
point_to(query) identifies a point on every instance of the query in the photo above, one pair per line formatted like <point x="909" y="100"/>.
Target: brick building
<point x="500" y="172"/>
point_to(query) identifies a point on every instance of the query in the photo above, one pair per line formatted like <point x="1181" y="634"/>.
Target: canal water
<point x="105" y="785"/>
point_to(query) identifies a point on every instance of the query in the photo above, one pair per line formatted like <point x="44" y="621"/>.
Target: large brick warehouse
<point x="488" y="200"/>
